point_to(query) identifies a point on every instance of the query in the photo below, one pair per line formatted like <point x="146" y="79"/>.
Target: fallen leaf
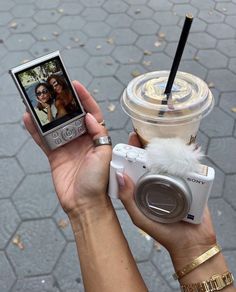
<point x="63" y="223"/>
<point x="76" y="40"/>
<point x="137" y="11"/>
<point x="110" y="41"/>
<point x="17" y="241"/>
<point x="161" y="35"/>
<point x="95" y="91"/>
<point x="233" y="109"/>
<point x="144" y="234"/>
<point x="60" y="10"/>
<point x="109" y="63"/>
<point x="24" y="61"/>
<point x="147" y="53"/>
<point x="111" y="107"/>
<point x="44" y="38"/>
<point x="157" y="44"/>
<point x="135" y="73"/>
<point x="211" y="85"/>
<point x="98" y="47"/>
<point x="157" y="246"/>
<point x="13" y="25"/>
<point x="147" y="63"/>
<point x="219" y="213"/>
<point x="55" y="33"/>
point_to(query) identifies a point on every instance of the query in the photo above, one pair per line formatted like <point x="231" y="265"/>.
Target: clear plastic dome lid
<point x="144" y="98"/>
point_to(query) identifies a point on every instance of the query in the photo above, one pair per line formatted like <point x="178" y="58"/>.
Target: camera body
<point x="65" y="121"/>
<point x="161" y="197"/>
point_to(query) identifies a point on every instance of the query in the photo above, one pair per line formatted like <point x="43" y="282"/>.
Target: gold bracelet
<point x="197" y="262"/>
<point x="215" y="283"/>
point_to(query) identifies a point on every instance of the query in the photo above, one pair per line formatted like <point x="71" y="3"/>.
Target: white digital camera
<point x="161" y="197"/>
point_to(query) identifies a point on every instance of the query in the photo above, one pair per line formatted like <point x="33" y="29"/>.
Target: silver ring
<point x="105" y="140"/>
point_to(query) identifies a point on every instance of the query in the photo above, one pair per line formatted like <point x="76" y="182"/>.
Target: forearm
<point x="106" y="261"/>
<point x="215" y="265"/>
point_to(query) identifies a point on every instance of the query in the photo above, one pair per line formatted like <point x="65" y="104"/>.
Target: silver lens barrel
<point x="163" y="198"/>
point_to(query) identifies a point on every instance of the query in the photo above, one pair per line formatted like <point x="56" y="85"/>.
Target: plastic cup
<point x="153" y="115"/>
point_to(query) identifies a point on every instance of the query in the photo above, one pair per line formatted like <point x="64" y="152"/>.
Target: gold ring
<point x="102" y="123"/>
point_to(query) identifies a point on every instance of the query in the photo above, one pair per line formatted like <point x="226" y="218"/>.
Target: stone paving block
<point x="212" y="128"/>
<point x="45" y="32"/>
<point x="211" y="16"/>
<point x="40" y="252"/>
<point x="127" y="54"/>
<point x="67" y="271"/>
<point x="75" y="57"/>
<point x="231" y="260"/>
<point x="166" y="18"/>
<point x="19" y="42"/>
<point x="203" y="5"/>
<point x="193" y="67"/>
<point x="227" y="47"/>
<point x="8" y="181"/>
<point x="201" y="40"/>
<point x="36" y="284"/>
<point x="92" y="3"/>
<point x="9" y="221"/>
<point x="7" y="86"/>
<point x="4" y="33"/>
<point x="94" y="14"/>
<point x="229" y="190"/>
<point x="157" y="61"/>
<point x="221" y="151"/>
<point x="150" y="44"/>
<point x="232" y="64"/>
<point x="226" y="8"/>
<point x="80" y="74"/>
<point x="136" y="2"/>
<point x="140" y="247"/>
<point x="171" y="33"/>
<point x="32" y="159"/>
<point x="160" y="5"/>
<point x="19" y="25"/>
<point x="119" y="20"/>
<point x="102" y="66"/>
<point x="221" y="30"/>
<point x="11" y="60"/>
<point x="222" y="214"/>
<point x="123" y="36"/>
<point x="152" y="278"/>
<point x="127" y="72"/>
<point x="47" y="16"/>
<point x="216" y="94"/>
<point x="7" y="5"/>
<point x="223" y="79"/>
<point x="36" y="197"/>
<point x="5" y="17"/>
<point x="161" y="259"/>
<point x="183" y="9"/>
<point x="7" y="278"/>
<point x="189" y="51"/>
<point x="11" y="114"/>
<point x="10" y="147"/>
<point x="23" y="10"/>
<point x="63" y="223"/>
<point x="119" y="136"/>
<point x="228" y="103"/>
<point x="212" y="59"/>
<point x="115" y="119"/>
<point x="115" y="6"/>
<point x="71" y="8"/>
<point x="145" y="26"/>
<point x="180" y="1"/>
<point x="40" y="48"/>
<point x="202" y="140"/>
<point x="97" y="29"/>
<point x="72" y="39"/>
<point x="99" y="46"/>
<point x="140" y="12"/>
<point x="45" y="4"/>
<point x="107" y="88"/>
<point x="197" y="26"/>
<point x="72" y="22"/>
<point x="231" y="20"/>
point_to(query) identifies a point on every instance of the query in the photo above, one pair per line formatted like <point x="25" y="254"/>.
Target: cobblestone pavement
<point x="104" y="44"/>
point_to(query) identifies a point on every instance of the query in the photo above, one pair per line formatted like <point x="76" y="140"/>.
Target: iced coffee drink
<point x="155" y="115"/>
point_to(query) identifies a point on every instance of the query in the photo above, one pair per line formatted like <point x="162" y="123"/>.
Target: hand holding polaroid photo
<point x="49" y="96"/>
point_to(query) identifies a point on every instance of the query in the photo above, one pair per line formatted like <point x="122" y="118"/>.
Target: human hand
<point x="79" y="170"/>
<point x="183" y="240"/>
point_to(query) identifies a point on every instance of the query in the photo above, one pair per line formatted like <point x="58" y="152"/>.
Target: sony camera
<point x="51" y="99"/>
<point x="162" y="197"/>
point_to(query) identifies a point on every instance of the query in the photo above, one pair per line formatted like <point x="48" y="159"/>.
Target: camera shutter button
<point x="131" y="155"/>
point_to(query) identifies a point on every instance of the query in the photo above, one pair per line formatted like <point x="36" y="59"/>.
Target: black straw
<point x="178" y="54"/>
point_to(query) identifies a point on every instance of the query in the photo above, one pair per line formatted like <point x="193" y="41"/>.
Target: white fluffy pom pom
<point x="172" y="156"/>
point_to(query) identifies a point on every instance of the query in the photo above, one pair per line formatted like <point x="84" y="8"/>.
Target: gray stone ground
<point x="104" y="44"/>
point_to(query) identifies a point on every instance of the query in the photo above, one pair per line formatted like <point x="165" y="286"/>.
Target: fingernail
<point x="120" y="179"/>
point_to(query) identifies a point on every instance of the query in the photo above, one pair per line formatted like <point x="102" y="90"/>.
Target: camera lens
<point x="163" y="198"/>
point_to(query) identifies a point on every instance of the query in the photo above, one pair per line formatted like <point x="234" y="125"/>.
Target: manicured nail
<point x="120" y="179"/>
<point x="92" y="117"/>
